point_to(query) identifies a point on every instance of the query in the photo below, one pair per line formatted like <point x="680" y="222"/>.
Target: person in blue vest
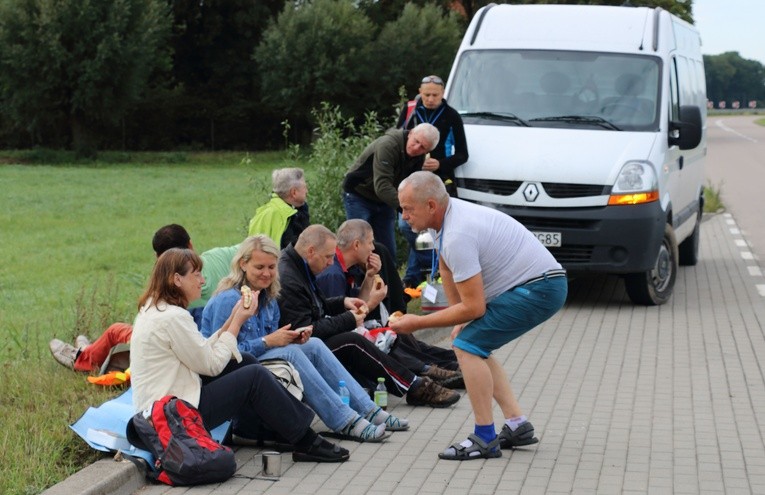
<point x="451" y="152"/>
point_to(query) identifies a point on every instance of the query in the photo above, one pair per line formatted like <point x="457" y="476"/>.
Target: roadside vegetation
<point x="712" y="200"/>
<point x="77" y="251"/>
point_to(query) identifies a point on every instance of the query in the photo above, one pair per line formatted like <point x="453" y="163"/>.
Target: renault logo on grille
<point x="531" y="192"/>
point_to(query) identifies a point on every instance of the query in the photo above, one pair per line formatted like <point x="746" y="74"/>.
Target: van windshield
<point x="558" y="89"/>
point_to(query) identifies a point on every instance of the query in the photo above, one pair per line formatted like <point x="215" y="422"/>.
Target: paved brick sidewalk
<point x="625" y="399"/>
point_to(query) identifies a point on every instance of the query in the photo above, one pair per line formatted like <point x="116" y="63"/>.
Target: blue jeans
<point x="418" y="261"/>
<point x="380" y="216"/>
<point x="321" y="373"/>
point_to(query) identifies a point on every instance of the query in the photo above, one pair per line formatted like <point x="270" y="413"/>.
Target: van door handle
<point x="680" y="163"/>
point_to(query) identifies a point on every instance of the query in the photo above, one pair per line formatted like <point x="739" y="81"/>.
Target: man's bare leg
<point x="479" y="384"/>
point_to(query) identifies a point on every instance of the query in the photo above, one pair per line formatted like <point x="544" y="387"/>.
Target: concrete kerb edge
<point x="103" y="477"/>
<point x="110" y="477"/>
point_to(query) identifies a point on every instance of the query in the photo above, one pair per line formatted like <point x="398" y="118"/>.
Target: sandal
<point x="523" y="435"/>
<point x="478" y="450"/>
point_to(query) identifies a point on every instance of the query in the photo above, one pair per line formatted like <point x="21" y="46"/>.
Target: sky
<point x="731" y="26"/>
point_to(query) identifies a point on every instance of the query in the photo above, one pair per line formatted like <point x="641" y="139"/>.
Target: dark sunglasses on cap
<point x="432" y="79"/>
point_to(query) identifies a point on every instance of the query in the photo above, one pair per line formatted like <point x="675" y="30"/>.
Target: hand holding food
<point x="394" y="316"/>
<point x="362" y="310"/>
<point x="246" y="297"/>
<point x="378" y="282"/>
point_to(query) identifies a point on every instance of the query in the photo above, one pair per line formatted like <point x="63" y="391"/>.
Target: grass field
<point x="76" y="251"/>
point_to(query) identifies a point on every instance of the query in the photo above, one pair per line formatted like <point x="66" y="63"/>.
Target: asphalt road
<point x="736" y="165"/>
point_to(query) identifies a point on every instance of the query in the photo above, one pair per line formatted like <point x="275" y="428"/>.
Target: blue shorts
<point x="511" y="314"/>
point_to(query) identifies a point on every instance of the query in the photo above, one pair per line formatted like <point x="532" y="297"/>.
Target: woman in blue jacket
<point x="255" y="266"/>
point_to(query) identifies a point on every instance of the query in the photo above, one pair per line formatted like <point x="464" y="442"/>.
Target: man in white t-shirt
<point x="500" y="283"/>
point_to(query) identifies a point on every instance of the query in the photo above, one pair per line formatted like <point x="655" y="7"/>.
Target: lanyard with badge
<point x="430" y="293"/>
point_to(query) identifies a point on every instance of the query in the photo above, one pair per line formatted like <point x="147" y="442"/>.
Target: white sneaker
<point x="81" y="342"/>
<point x="62" y="352"/>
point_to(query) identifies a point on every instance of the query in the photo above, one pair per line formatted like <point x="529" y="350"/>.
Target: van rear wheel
<point x="654" y="287"/>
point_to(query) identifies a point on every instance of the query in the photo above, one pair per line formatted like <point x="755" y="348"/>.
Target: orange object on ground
<point x="111" y="378"/>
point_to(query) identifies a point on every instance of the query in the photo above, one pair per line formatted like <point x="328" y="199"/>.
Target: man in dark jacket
<point x="370" y="186"/>
<point x="358" y="260"/>
<point x="431" y="107"/>
<point x="451" y="152"/>
<point x="302" y="303"/>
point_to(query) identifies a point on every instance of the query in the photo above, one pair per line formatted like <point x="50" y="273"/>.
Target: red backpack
<point x="184" y="452"/>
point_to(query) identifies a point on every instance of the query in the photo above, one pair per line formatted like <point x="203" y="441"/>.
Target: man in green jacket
<point x="370" y="188"/>
<point x="285" y="216"/>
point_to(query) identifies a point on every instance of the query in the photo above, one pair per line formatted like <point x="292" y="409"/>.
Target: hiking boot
<point x="81" y="342"/>
<point x="426" y="392"/>
<point x="63" y="353"/>
<point x="445" y="378"/>
<point x="523" y="435"/>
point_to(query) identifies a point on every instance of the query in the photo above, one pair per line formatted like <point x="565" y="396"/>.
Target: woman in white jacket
<point x="169" y="355"/>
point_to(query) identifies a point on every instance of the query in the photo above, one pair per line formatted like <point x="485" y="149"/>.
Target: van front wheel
<point x="655" y="286"/>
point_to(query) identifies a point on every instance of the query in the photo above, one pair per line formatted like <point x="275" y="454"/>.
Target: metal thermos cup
<point x="272" y="464"/>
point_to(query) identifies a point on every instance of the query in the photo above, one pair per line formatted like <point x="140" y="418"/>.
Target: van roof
<point x="553" y="27"/>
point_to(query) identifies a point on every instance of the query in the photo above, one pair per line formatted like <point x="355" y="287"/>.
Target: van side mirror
<point x="686" y="133"/>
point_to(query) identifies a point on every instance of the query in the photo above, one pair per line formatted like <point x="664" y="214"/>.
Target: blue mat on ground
<point x="103" y="427"/>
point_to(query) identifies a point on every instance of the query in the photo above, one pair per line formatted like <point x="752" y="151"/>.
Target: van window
<point x="674" y="98"/>
<point x="536" y="84"/>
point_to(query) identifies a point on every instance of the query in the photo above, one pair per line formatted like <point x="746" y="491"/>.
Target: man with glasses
<point x="451" y="152"/>
<point x="370" y="186"/>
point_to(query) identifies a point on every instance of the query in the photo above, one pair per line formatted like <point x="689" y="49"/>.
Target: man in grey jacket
<point x="370" y="188"/>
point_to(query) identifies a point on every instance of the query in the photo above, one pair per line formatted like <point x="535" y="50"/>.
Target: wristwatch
<point x="263" y="339"/>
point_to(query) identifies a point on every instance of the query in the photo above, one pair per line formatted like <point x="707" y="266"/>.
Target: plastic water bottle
<point x="381" y="394"/>
<point x="345" y="395"/>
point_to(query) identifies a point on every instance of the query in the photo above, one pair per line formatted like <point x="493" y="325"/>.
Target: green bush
<point x="338" y="142"/>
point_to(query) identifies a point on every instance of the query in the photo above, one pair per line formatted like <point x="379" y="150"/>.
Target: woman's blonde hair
<point x="236" y="277"/>
<point x="162" y="286"/>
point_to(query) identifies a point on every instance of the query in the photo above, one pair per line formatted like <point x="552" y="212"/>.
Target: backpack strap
<point x="410" y="106"/>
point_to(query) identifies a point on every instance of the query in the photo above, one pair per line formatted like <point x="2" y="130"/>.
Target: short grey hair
<point x="426" y="185"/>
<point x="429" y="132"/>
<point x="284" y="179"/>
<point x="315" y="235"/>
<point x="352" y="230"/>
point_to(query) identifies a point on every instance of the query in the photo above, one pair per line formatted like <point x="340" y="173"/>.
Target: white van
<point x="588" y="125"/>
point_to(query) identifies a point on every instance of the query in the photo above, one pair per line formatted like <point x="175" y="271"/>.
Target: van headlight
<point x="635" y="184"/>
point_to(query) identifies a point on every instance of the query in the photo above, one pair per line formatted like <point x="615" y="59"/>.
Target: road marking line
<point x="740" y="243"/>
<point x="735" y="231"/>
<point x="719" y="123"/>
<point x="730" y="221"/>
<point x="761" y="289"/>
<point x="747" y="255"/>
<point x="754" y="271"/>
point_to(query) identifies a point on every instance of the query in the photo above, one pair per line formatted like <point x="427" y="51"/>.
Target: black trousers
<point x="415" y="354"/>
<point x="249" y="395"/>
<point x="365" y="362"/>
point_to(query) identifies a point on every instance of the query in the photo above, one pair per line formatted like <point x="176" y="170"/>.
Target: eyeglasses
<point x="432" y="79"/>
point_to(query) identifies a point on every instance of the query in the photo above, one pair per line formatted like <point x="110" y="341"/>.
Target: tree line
<point x="731" y="79"/>
<point x="227" y="74"/>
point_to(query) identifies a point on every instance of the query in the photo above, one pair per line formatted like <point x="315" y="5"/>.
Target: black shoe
<point x="523" y="435"/>
<point x="321" y="451"/>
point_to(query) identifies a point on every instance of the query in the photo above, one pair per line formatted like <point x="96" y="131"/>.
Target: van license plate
<point x="549" y="239"/>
